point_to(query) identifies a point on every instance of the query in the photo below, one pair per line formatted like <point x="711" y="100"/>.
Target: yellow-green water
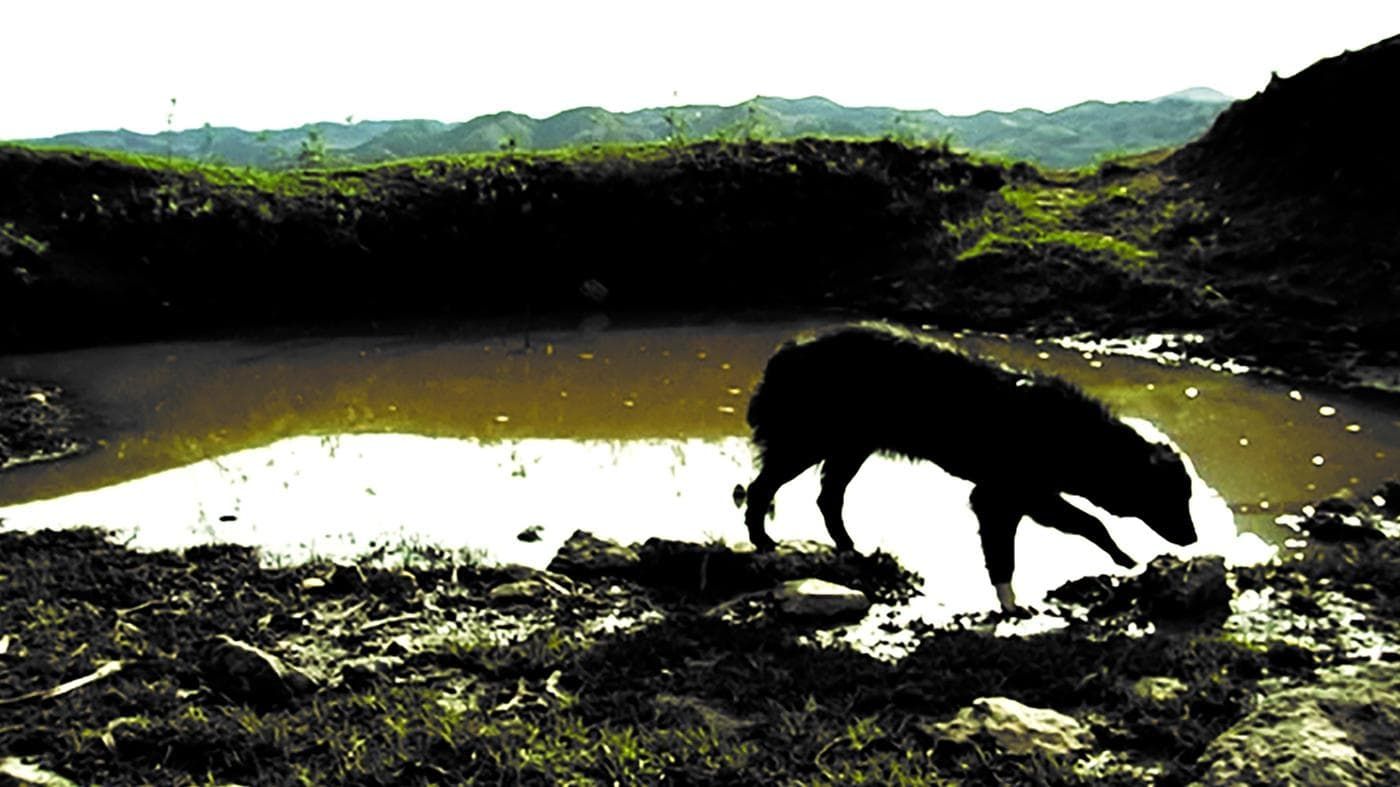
<point x="326" y="445"/>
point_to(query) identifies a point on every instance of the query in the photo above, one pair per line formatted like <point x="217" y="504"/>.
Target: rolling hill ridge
<point x="1070" y="137"/>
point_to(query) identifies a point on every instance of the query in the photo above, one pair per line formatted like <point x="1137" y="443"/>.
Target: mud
<point x="37" y="424"/>
<point x="426" y="670"/>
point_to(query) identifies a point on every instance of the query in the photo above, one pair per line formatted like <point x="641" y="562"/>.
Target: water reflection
<point x="342" y="495"/>
<point x="469" y="440"/>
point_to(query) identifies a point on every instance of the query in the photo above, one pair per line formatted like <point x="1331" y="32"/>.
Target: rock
<point x="708" y="570"/>
<point x="1196" y="590"/>
<point x="465" y="575"/>
<point x="396" y="584"/>
<point x="1167" y="590"/>
<point x="401" y="646"/>
<point x="690" y="710"/>
<point x="808" y="599"/>
<point x="314" y="584"/>
<point x="1390" y="493"/>
<point x="1344" y="730"/>
<point x="522" y="590"/>
<point x="247" y="673"/>
<point x="717" y="571"/>
<point x="1331" y="528"/>
<point x="1016" y="728"/>
<point x="1343" y="502"/>
<point x="510" y="572"/>
<point x="1159" y="689"/>
<point x="368" y="670"/>
<point x="24" y="772"/>
<point x="346" y="578"/>
<point x="585" y="555"/>
<point x="817" y="598"/>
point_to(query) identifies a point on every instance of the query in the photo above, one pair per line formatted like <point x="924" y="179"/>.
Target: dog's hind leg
<point x="778" y="469"/>
<point x="1054" y="511"/>
<point x="837" y="472"/>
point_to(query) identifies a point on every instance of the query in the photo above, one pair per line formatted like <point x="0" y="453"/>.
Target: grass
<point x="1035" y="214"/>
<point x="300" y="181"/>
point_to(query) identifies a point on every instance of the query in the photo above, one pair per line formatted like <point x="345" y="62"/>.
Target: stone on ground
<point x="1016" y="728"/>
<point x="585" y="555"/>
<point x="247" y="673"/>
<point x="1344" y="730"/>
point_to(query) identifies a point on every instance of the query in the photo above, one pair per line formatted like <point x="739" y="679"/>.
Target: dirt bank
<point x="1309" y="250"/>
<point x="106" y="248"/>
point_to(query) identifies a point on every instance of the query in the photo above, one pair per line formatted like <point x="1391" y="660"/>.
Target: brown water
<point x="168" y="405"/>
<point x="323" y="445"/>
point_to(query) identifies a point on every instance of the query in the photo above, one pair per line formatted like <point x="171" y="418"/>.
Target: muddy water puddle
<point x="335" y="446"/>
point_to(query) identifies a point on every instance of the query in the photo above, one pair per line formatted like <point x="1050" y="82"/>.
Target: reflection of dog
<point x="1022" y="438"/>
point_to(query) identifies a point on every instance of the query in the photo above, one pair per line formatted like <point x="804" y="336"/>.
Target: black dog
<point x="1021" y="437"/>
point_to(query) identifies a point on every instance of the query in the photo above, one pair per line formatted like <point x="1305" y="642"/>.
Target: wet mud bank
<point x="691" y="663"/>
<point x="38" y="424"/>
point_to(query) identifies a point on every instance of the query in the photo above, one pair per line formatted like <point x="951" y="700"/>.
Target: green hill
<point x="1071" y="137"/>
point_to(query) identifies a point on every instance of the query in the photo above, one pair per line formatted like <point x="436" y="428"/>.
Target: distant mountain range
<point x="1070" y="137"/>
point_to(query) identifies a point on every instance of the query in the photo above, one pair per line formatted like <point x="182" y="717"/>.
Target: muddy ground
<point x="626" y="665"/>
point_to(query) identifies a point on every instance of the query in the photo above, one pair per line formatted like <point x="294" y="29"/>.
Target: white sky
<point x="69" y="65"/>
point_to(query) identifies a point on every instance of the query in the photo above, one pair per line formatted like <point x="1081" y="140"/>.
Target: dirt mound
<point x="1302" y="177"/>
<point x="1317" y="130"/>
<point x="150" y="249"/>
